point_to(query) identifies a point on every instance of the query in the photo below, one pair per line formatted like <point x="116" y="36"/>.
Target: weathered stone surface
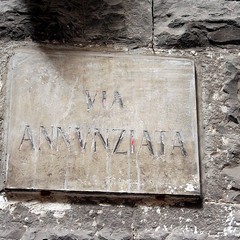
<point x="58" y="218"/>
<point x="100" y="21"/>
<point x="227" y="34"/>
<point x="231" y="88"/>
<point x="233" y="174"/>
<point x="184" y="24"/>
<point x="231" y="132"/>
<point x="176" y="23"/>
<point x="13" y="234"/>
<point x="74" y="217"/>
<point x="178" y="234"/>
<point x="216" y="219"/>
<point x="58" y="234"/>
<point x="118" y="123"/>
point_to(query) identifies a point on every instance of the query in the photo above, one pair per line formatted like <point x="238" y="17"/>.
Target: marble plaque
<point x="98" y="122"/>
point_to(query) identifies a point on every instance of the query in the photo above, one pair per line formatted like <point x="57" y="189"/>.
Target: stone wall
<point x="207" y="32"/>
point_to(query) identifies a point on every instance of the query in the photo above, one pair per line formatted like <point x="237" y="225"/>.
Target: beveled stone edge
<point x="93" y="52"/>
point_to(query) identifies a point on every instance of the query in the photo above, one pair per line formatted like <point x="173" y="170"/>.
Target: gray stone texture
<point x="177" y="25"/>
<point x="188" y="23"/>
<point x="54" y="217"/>
<point x="169" y="23"/>
<point x="99" y="21"/>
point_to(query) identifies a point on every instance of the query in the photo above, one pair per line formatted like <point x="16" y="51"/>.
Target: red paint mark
<point x="132" y="141"/>
<point x="132" y="144"/>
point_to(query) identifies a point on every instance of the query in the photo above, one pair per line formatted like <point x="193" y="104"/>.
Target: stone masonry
<point x="207" y="32"/>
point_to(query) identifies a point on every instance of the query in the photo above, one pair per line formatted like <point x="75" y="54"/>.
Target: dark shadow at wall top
<point x="75" y="20"/>
<point x="65" y="21"/>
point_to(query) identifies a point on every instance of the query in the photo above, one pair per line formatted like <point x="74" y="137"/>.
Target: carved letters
<point x="146" y="140"/>
<point x="117" y="99"/>
<point x="153" y="142"/>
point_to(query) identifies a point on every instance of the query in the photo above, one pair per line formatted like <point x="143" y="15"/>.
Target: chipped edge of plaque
<point x="7" y="117"/>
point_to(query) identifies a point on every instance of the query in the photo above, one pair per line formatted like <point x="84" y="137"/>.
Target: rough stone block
<point x="104" y="21"/>
<point x="184" y="24"/>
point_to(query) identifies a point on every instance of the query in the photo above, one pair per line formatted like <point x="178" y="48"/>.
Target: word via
<point x="117" y="99"/>
<point x="155" y="146"/>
